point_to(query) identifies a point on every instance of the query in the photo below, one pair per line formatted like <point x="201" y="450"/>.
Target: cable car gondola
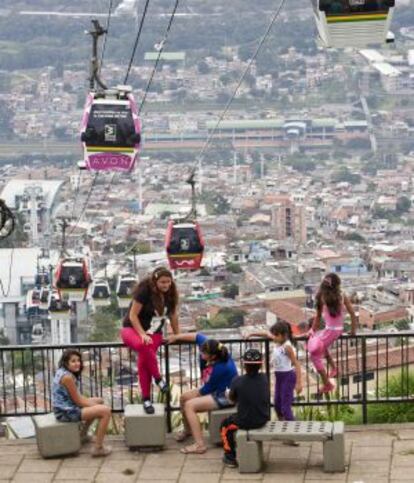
<point x="353" y="23"/>
<point x="101" y="293"/>
<point x="72" y="279"/>
<point x="183" y="240"/>
<point x="44" y="298"/>
<point x="185" y="245"/>
<point x="111" y="131"/>
<point x="58" y="309"/>
<point x="37" y="333"/>
<point x="110" y="127"/>
<point x="7" y="221"/>
<point x="124" y="288"/>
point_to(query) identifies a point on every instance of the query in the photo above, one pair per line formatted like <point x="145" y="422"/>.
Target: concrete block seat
<point x="249" y="443"/>
<point x="142" y="429"/>
<point x="215" y="419"/>
<point x="55" y="438"/>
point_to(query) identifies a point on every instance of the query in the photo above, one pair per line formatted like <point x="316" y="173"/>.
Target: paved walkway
<point x="375" y="454"/>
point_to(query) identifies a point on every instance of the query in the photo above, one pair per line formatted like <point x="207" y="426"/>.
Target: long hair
<point x="64" y="361"/>
<point x="213" y="347"/>
<point x="159" y="300"/>
<point x="284" y="329"/>
<point x="329" y="294"/>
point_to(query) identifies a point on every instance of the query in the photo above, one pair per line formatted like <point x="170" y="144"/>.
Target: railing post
<point x="267" y="358"/>
<point x="364" y="381"/>
<point x="167" y="381"/>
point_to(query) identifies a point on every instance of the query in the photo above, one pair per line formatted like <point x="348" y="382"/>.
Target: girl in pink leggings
<point x="331" y="304"/>
<point x="154" y="301"/>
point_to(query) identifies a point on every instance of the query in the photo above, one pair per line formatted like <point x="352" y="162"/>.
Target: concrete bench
<point x="55" y="438"/>
<point x="215" y="419"/>
<point x="142" y="429"/>
<point x="249" y="443"/>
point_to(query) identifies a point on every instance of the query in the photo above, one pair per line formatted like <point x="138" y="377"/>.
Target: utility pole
<point x="235" y="168"/>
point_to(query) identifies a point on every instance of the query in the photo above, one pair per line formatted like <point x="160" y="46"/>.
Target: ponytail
<point x="213" y="347"/>
<point x="284" y="329"/>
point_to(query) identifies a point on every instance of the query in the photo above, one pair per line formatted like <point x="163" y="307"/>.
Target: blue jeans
<point x="70" y="415"/>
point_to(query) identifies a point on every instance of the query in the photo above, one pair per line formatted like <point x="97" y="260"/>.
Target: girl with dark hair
<point x="70" y="406"/>
<point x="154" y="303"/>
<point x="288" y="374"/>
<point x="331" y="304"/>
<point x="217" y="371"/>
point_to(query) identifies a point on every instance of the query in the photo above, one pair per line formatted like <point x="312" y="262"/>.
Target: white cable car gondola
<point x="353" y="23"/>
<point x="72" y="278"/>
<point x="44" y="298"/>
<point x="101" y="293"/>
<point x="124" y="290"/>
<point x="58" y="309"/>
<point x="37" y="334"/>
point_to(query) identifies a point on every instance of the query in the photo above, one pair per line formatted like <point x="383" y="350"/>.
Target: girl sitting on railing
<point x="70" y="406"/>
<point x="331" y="304"/>
<point x="217" y="371"/>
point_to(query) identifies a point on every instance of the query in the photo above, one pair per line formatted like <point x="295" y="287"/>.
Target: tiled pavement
<point x="375" y="454"/>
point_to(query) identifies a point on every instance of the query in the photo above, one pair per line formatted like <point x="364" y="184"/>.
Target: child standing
<point x="70" y="406"/>
<point x="288" y="376"/>
<point x="251" y="393"/>
<point x="331" y="304"/>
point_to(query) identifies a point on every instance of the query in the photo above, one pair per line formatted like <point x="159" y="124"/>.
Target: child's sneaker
<point x="163" y="386"/>
<point x="290" y="442"/>
<point x="148" y="407"/>
<point x="102" y="451"/>
<point x="230" y="461"/>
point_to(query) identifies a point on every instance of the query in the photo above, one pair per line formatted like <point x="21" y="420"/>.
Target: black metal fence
<point x="373" y="368"/>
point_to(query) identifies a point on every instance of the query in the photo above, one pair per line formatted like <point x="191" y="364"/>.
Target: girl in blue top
<point x="217" y="371"/>
<point x="70" y="406"/>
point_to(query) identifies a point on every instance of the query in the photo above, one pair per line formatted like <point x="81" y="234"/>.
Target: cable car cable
<point x="160" y="51"/>
<point x="131" y="60"/>
<point x="86" y="202"/>
<point x="108" y="23"/>
<point x="252" y="59"/>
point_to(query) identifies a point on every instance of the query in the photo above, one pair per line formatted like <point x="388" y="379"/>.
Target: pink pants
<point x="147" y="363"/>
<point x="318" y="346"/>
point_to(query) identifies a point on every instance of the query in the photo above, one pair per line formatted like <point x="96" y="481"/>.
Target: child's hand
<point x="298" y="387"/>
<point x="247" y="336"/>
<point x="97" y="400"/>
<point x="171" y="339"/>
<point x="146" y="339"/>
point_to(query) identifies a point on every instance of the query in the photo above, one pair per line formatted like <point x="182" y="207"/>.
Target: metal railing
<point x="367" y="365"/>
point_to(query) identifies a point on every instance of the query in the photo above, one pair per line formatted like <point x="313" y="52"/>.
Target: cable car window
<point x="111" y="125"/>
<point x="350" y="6"/>
<point x="184" y="240"/>
<point x="72" y="277"/>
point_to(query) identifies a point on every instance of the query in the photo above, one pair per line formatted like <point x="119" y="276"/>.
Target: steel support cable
<point x="141" y="25"/>
<point x="108" y="23"/>
<point x="88" y="196"/>
<point x="252" y="59"/>
<point x="6" y="294"/>
<point x="160" y="51"/>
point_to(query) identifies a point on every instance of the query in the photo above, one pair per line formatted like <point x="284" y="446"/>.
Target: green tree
<point x="203" y="67"/>
<point x="403" y="324"/>
<point x="403" y="205"/>
<point x="4" y="340"/>
<point x="230" y="290"/>
<point x="105" y="325"/>
<point x="234" y="267"/>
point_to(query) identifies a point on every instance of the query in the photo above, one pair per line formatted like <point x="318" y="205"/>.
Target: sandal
<point x="193" y="449"/>
<point x="182" y="436"/>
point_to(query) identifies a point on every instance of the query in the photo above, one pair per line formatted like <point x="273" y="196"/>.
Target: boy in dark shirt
<point x="251" y="394"/>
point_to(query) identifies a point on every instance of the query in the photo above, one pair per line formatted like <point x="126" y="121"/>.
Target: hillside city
<point x="311" y="171"/>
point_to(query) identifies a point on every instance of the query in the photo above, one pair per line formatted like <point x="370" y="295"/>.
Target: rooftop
<point x="380" y="453"/>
